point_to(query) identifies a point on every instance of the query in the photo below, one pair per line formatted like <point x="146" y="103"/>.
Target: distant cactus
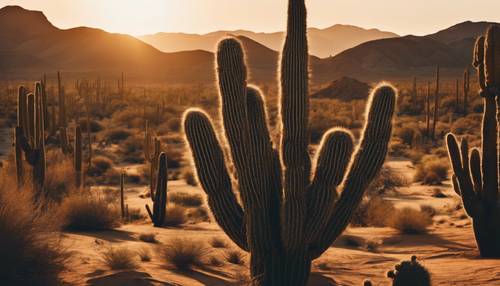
<point x="61" y="102"/>
<point x="159" y="197"/>
<point x="436" y="106"/>
<point x="466" y="89"/>
<point x="152" y="149"/>
<point x="78" y="154"/>
<point x="30" y="136"/>
<point x="289" y="217"/>
<point x="122" y="196"/>
<point x="476" y="175"/>
<point x="410" y="273"/>
<point x="428" y="111"/>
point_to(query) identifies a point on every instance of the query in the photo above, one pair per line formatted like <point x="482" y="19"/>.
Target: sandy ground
<point x="448" y="250"/>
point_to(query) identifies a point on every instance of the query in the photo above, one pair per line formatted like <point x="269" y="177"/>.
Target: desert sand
<point x="448" y="250"/>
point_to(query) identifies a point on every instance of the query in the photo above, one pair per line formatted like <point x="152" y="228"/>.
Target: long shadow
<point x="318" y="279"/>
<point x="204" y="278"/>
<point x="425" y="239"/>
<point x="109" y="235"/>
<point x="127" y="278"/>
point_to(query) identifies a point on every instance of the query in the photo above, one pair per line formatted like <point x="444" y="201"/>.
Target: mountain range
<point x="31" y="45"/>
<point x="322" y="42"/>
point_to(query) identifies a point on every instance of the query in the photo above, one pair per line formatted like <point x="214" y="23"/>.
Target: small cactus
<point x="409" y="273"/>
<point x="159" y="197"/>
<point x="78" y="154"/>
<point x="152" y="150"/>
<point x="476" y="174"/>
<point x="436" y="106"/>
<point x="122" y="196"/>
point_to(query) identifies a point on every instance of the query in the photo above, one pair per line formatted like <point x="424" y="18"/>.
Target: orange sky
<point x="139" y="17"/>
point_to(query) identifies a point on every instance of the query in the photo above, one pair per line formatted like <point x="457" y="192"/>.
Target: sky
<point x="139" y="17"/>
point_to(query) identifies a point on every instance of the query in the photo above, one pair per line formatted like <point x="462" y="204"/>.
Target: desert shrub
<point x="132" y="118"/>
<point x="183" y="254"/>
<point x="121" y="258"/>
<point x="373" y="211"/>
<point x="432" y="170"/>
<point x="144" y="254"/>
<point x="408" y="134"/>
<point x="175" y="216"/>
<point x="234" y="256"/>
<point x="189" y="177"/>
<point x="410" y="221"/>
<point x="59" y="178"/>
<point x="217" y="242"/>
<point x="174" y="158"/>
<point x="174" y="124"/>
<point x="186" y="199"/>
<point x="88" y="212"/>
<point x="100" y="165"/>
<point x="135" y="214"/>
<point x="133" y="145"/>
<point x="31" y="253"/>
<point x="148" y="237"/>
<point x="387" y="180"/>
<point x="198" y="214"/>
<point x="95" y="126"/>
<point x="429" y="210"/>
<point x="117" y="135"/>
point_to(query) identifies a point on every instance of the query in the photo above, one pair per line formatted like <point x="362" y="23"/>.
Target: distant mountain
<point x="30" y="45"/>
<point x="408" y="56"/>
<point x="322" y="42"/>
<point x="344" y="88"/>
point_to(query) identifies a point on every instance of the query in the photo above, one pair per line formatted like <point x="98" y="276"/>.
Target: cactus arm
<point x="214" y="178"/>
<point x="475" y="170"/>
<point x="366" y="163"/>
<point x="463" y="179"/>
<point x="478" y="63"/>
<point x="489" y="149"/>
<point x="150" y="213"/>
<point x="294" y="117"/>
<point x="331" y="163"/>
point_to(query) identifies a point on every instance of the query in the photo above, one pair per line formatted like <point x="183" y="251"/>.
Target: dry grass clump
<point x="95" y="126"/>
<point x="118" y="259"/>
<point x="88" y="212"/>
<point x="198" y="214"/>
<point x="144" y="254"/>
<point x="175" y="216"/>
<point x="117" y="135"/>
<point x="432" y="170"/>
<point x="411" y="221"/>
<point x="234" y="257"/>
<point x="183" y="254"/>
<point x="148" y="237"/>
<point x="135" y="214"/>
<point x="186" y="199"/>
<point x="373" y="211"/>
<point x="59" y="178"/>
<point x="30" y="251"/>
<point x="387" y="180"/>
<point x="100" y="165"/>
<point x="189" y="177"/>
<point x="217" y="242"/>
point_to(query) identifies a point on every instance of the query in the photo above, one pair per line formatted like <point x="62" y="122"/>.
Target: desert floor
<point x="448" y="250"/>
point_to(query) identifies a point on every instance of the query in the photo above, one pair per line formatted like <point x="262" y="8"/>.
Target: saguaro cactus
<point x="288" y="217"/>
<point x="476" y="175"/>
<point x="159" y="197"/>
<point x="466" y="89"/>
<point x="30" y="135"/>
<point x="78" y="154"/>
<point x="152" y="149"/>
<point x="61" y="101"/>
<point x="436" y="106"/>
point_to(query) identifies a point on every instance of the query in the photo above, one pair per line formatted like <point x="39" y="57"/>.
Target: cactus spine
<point x="288" y="218"/>
<point x="159" y="197"/>
<point x="476" y="175"/>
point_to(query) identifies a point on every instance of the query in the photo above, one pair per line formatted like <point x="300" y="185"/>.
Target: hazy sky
<point x="200" y="16"/>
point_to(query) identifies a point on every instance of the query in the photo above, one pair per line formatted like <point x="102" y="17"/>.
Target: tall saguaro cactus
<point x="476" y="174"/>
<point x="436" y="106"/>
<point x="290" y="214"/>
<point x="152" y="149"/>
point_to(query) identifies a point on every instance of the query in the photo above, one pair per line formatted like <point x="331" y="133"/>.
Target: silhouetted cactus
<point x="30" y="136"/>
<point x="476" y="175"/>
<point x="152" y="149"/>
<point x="436" y="106"/>
<point x="122" y="196"/>
<point x="61" y="102"/>
<point x="78" y="155"/>
<point x="428" y="111"/>
<point x="466" y="90"/>
<point x="159" y="197"/>
<point x="289" y="217"/>
<point x="410" y="273"/>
